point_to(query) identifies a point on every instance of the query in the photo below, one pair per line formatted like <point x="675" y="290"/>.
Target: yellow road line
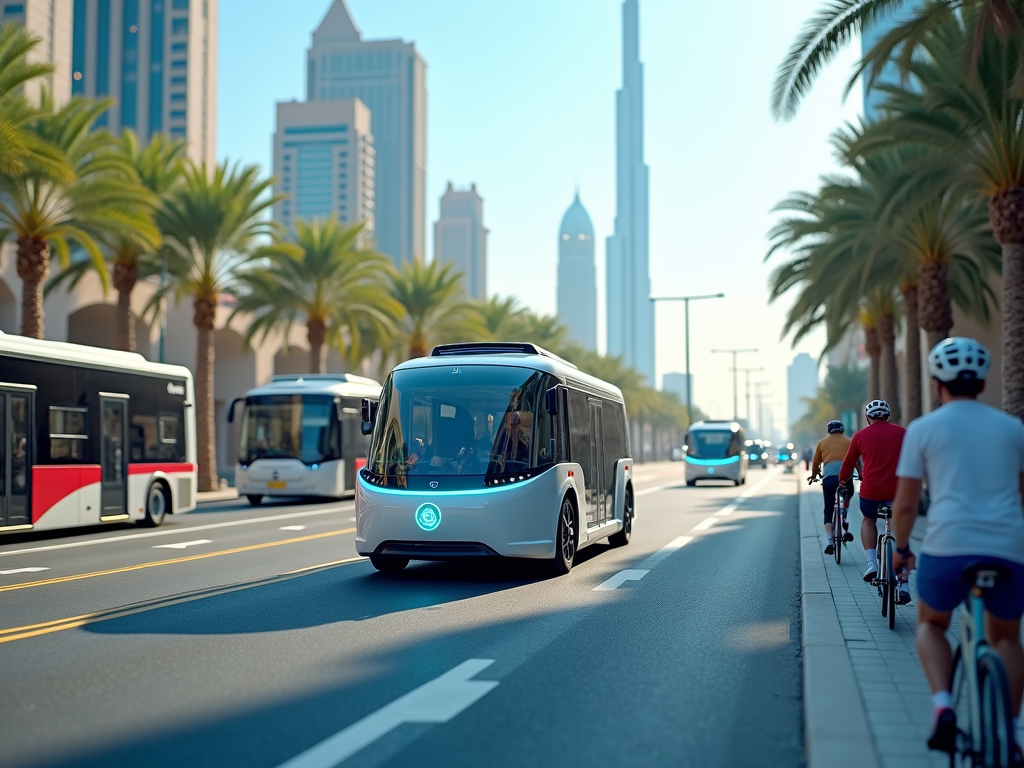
<point x="72" y="622"/>
<point x="155" y="564"/>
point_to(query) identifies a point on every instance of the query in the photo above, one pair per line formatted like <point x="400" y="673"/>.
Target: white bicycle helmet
<point x="877" y="409"/>
<point x="959" y="358"/>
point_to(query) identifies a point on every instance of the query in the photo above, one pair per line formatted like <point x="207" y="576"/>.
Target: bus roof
<point x="342" y="384"/>
<point x="732" y="426"/>
<point x="91" y="357"/>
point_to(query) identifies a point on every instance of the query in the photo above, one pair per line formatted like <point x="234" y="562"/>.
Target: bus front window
<point x="289" y="427"/>
<point x="711" y="444"/>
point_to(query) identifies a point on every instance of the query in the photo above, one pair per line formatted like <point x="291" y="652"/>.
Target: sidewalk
<point x="203" y="497"/>
<point x="852" y="657"/>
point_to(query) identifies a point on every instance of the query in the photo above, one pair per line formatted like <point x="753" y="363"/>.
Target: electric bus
<point x="716" y="450"/>
<point x="91" y="436"/>
<point x="493" y="449"/>
<point x="301" y="436"/>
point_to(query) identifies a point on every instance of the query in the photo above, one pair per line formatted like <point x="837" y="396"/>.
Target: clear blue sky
<point x="520" y="100"/>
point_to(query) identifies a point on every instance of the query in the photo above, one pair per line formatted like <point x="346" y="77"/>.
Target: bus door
<point x="113" y="457"/>
<point x="17" y="406"/>
<point x="353" y="443"/>
<point x="596" y="480"/>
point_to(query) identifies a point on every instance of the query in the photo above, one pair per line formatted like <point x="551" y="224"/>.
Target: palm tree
<point x="545" y="330"/>
<point x="435" y="310"/>
<point x="505" y="319"/>
<point x="44" y="211"/>
<point x="212" y="225"/>
<point x="330" y="281"/>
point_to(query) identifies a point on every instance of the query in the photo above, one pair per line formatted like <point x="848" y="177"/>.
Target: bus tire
<point x="691" y="483"/>
<point x="565" y="539"/>
<point x="254" y="499"/>
<point x="157" y="502"/>
<point x="621" y="538"/>
<point x="388" y="563"/>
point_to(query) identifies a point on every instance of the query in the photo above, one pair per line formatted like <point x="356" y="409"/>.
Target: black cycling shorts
<point x="829" y="486"/>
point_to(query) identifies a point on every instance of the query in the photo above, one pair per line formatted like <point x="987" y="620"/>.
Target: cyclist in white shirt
<point x="972" y="456"/>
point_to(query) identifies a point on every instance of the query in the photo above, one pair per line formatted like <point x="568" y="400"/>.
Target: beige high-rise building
<point x="460" y="238"/>
<point x="50" y="21"/>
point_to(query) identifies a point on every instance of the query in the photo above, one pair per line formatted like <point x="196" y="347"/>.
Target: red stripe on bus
<point x="168" y="468"/>
<point x="360" y="463"/>
<point x="50" y="484"/>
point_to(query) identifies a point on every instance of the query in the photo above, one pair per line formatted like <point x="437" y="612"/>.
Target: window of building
<point x="179" y="47"/>
<point x="179" y="26"/>
<point x="177" y="130"/>
<point x="180" y="5"/>
<point x="12" y="9"/>
<point x="177" y="97"/>
<point x="68" y="434"/>
<point x="178" y="114"/>
<point x="179" y="64"/>
<point x="179" y="80"/>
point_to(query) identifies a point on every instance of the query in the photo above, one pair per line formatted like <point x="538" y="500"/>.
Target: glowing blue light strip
<point x="712" y="462"/>
<point x="442" y="493"/>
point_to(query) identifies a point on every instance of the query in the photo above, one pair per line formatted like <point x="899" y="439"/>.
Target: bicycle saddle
<point x="885" y="511"/>
<point x="985" y="575"/>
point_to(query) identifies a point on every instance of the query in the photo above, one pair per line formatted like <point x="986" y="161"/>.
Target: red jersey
<point x="879" y="446"/>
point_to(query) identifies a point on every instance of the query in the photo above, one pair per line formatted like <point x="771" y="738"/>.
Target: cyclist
<point x="828" y="458"/>
<point x="878" y="446"/>
<point x="972" y="456"/>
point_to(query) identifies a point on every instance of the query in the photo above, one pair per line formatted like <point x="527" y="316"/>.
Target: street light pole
<point x="760" y="407"/>
<point x="747" y="372"/>
<point x="686" y="314"/>
<point x="735" y="383"/>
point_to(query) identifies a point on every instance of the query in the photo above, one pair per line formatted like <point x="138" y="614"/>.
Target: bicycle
<point x="888" y="580"/>
<point x="981" y="688"/>
<point x="840" y="535"/>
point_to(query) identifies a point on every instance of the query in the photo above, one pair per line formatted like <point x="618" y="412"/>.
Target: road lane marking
<point x="72" y="622"/>
<point x="183" y="529"/>
<point x="668" y="549"/>
<point x="293" y="528"/>
<point x="183" y="544"/>
<point x="32" y="569"/>
<point x="173" y="561"/>
<point x="619" y="579"/>
<point x="657" y="488"/>
<point x="703" y="525"/>
<point x="438" y="701"/>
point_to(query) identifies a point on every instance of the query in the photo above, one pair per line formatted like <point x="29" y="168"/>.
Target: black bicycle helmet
<point x="835" y="426"/>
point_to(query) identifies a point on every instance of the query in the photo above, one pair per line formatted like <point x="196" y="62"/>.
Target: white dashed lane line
<point x="293" y="528"/>
<point x="32" y="569"/>
<point x="183" y="544"/>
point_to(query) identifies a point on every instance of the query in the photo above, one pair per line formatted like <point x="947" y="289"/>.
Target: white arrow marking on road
<point x="619" y="579"/>
<point x="703" y="525"/>
<point x="183" y="544"/>
<point x="12" y="571"/>
<point x="435" y="702"/>
<point x="293" y="527"/>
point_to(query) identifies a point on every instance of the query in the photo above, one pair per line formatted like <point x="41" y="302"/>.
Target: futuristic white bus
<point x="91" y="436"/>
<point x="301" y="436"/>
<point x="716" y="450"/>
<point x="496" y="449"/>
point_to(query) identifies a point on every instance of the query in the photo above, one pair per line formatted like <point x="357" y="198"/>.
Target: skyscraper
<point x="577" y="275"/>
<point x="460" y="238"/>
<point x="389" y="77"/>
<point x="324" y="162"/>
<point x="158" y="60"/>
<point x="801" y="382"/>
<point x="630" y="311"/>
<point x="50" y="21"/>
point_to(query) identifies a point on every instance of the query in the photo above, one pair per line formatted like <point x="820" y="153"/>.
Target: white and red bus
<point x="91" y="436"/>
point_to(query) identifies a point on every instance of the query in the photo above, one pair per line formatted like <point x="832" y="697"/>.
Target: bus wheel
<point x="254" y="499"/>
<point x="691" y="483"/>
<point x="621" y="538"/>
<point x="388" y="563"/>
<point x="565" y="540"/>
<point x="156" y="506"/>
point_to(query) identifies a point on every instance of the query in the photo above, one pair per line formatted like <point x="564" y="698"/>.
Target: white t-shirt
<point x="971" y="455"/>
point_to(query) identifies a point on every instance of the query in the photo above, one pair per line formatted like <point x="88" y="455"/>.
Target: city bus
<point x="92" y="436"/>
<point x="302" y="435"/>
<point x="716" y="450"/>
<point x="493" y="449"/>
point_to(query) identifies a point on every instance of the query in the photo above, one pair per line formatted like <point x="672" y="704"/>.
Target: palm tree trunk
<point x="1006" y="212"/>
<point x="316" y="334"/>
<point x="912" y="364"/>
<point x="206" y="430"/>
<point x="33" y="267"/>
<point x="936" y="307"/>
<point x="874" y="349"/>
<point x="887" y="376"/>
<point x="125" y="277"/>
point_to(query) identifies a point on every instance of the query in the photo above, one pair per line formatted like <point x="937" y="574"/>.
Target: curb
<point x="836" y="731"/>
<point x="205" y="497"/>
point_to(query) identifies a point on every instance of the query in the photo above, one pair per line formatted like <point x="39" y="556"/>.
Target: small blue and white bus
<point x="716" y="450"/>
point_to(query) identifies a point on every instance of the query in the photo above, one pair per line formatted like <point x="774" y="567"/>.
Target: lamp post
<point x="760" y="407"/>
<point x="686" y="311"/>
<point x="734" y="369"/>
<point x="747" y="372"/>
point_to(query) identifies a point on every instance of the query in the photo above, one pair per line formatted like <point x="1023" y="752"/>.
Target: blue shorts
<point x="869" y="507"/>
<point x="941" y="585"/>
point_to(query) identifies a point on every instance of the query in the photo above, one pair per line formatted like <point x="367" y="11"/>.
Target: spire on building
<point x="577" y="275"/>
<point x="337" y="26"/>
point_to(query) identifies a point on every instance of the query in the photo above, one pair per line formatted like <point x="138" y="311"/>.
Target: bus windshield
<point x="463" y="420"/>
<point x="712" y="444"/>
<point x="289" y="427"/>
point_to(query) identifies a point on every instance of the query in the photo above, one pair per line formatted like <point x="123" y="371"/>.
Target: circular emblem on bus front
<point x="428" y="516"/>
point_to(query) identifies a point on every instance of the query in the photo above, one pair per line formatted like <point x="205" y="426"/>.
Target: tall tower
<point x="630" y="311"/>
<point x="461" y="239"/>
<point x="577" y="275"/>
<point x="50" y="21"/>
<point x="389" y="77"/>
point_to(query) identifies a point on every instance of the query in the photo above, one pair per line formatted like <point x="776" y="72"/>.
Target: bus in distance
<point x="716" y="450"/>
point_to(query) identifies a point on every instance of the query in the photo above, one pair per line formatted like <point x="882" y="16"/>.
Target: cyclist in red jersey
<point x="878" y="446"/>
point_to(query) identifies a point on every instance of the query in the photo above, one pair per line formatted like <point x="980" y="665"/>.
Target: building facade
<point x="324" y="162"/>
<point x="460" y="238"/>
<point x="389" y="77"/>
<point x="577" y="276"/>
<point x="51" y="22"/>
<point x="801" y="382"/>
<point x="680" y="383"/>
<point x="630" y="310"/>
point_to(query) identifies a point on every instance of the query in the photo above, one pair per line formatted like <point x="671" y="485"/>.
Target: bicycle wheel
<point x="891" y="582"/>
<point x="837" y="531"/>
<point x="996" y="737"/>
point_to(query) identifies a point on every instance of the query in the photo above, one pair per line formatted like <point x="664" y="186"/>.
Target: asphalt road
<point x="236" y="636"/>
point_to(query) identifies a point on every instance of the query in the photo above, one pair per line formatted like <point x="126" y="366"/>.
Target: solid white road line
<point x="13" y="571"/>
<point x="619" y="579"/>
<point x="293" y="528"/>
<point x="435" y="702"/>
<point x="703" y="525"/>
<point x="665" y="551"/>
<point x="183" y="544"/>
<point x="183" y="529"/>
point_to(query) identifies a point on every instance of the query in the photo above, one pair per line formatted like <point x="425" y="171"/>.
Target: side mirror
<point x="551" y="400"/>
<point x="231" y="408"/>
<point x="368" y="412"/>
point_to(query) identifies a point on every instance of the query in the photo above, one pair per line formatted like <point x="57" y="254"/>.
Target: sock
<point x="869" y="556"/>
<point x="942" y="700"/>
<point x="831" y="538"/>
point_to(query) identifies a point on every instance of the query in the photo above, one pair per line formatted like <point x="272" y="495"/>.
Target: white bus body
<point x="716" y="450"/>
